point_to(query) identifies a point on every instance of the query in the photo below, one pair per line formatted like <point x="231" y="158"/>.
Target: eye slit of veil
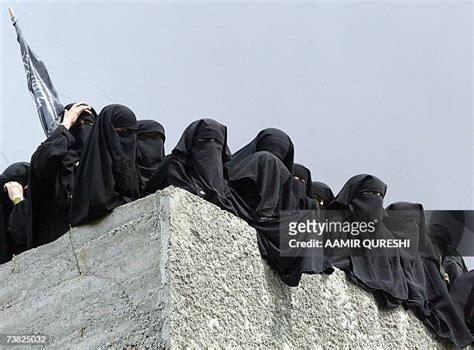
<point x="371" y="193"/>
<point x="151" y="134"/>
<point x="84" y="121"/>
<point x="126" y="130"/>
<point x="299" y="179"/>
<point x="208" y="140"/>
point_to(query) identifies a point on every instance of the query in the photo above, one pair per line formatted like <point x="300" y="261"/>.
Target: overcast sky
<point x="361" y="87"/>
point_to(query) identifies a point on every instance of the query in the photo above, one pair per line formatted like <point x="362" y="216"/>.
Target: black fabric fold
<point x="272" y="140"/>
<point x="150" y="149"/>
<point x="196" y="164"/>
<point x="407" y="221"/>
<point x="260" y="176"/>
<point x="107" y="176"/>
<point x="322" y="193"/>
<point x="302" y="188"/>
<point x="462" y="294"/>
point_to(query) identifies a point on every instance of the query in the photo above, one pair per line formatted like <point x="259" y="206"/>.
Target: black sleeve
<point x="48" y="156"/>
<point x="159" y="179"/>
<point x="453" y="267"/>
<point x="20" y="223"/>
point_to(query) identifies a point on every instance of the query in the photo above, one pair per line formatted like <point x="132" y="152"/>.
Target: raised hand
<point x="71" y="115"/>
<point x="15" y="191"/>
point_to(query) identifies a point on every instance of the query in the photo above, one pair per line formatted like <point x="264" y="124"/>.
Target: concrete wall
<point x="174" y="270"/>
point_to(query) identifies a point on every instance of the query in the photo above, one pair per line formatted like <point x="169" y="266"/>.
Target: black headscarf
<point x="17" y="172"/>
<point x="207" y="129"/>
<point x="301" y="187"/>
<point x="196" y="163"/>
<point x="107" y="175"/>
<point x="263" y="183"/>
<point x="255" y="173"/>
<point x="203" y="148"/>
<point x="356" y="190"/>
<point x="272" y="140"/>
<point x="150" y="148"/>
<point x="321" y="192"/>
<point x="409" y="220"/>
<point x="82" y="128"/>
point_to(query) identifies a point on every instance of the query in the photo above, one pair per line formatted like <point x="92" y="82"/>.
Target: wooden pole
<point x="10" y="12"/>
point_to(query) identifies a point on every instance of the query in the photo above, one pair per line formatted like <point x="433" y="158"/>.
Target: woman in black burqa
<point x="314" y="260"/>
<point x="196" y="164"/>
<point x="150" y="149"/>
<point x="107" y="176"/>
<point x="447" y="317"/>
<point x="53" y="172"/>
<point x="406" y="221"/>
<point x="428" y="294"/>
<point x="15" y="220"/>
<point x="261" y="184"/>
<point x="377" y="270"/>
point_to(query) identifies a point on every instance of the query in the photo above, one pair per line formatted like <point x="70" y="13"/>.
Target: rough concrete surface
<point x="172" y="270"/>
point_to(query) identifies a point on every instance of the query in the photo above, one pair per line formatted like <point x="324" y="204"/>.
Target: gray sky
<point x="361" y="87"/>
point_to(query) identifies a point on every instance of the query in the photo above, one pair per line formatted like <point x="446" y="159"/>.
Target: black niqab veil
<point x="411" y="219"/>
<point x="82" y="128"/>
<point x="301" y="187"/>
<point x="107" y="175"/>
<point x="380" y="271"/>
<point x="271" y="140"/>
<point x="203" y="148"/>
<point x="17" y="172"/>
<point x="353" y="192"/>
<point x="407" y="221"/>
<point x="302" y="198"/>
<point x="150" y="148"/>
<point x="197" y="163"/>
<point x="256" y="175"/>
<point x="428" y="294"/>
